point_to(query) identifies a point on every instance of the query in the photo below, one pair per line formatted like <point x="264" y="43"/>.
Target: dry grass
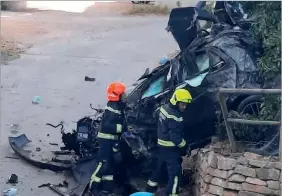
<point x="148" y="9"/>
<point x="10" y="50"/>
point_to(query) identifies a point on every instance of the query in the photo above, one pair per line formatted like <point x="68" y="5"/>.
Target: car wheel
<point x="250" y="105"/>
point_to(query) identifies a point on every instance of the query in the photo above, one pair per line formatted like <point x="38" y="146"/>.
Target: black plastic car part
<point x="18" y="143"/>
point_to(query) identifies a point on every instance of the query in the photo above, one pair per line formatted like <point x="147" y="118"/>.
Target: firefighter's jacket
<point x="170" y="127"/>
<point x="112" y="124"/>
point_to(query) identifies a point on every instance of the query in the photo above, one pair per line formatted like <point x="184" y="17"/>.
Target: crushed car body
<point x="224" y="55"/>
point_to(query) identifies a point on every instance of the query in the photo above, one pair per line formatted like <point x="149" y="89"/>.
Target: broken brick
<point x="230" y="193"/>
<point x="261" y="164"/>
<point x="233" y="186"/>
<point x="212" y="160"/>
<point x="268" y="174"/>
<point x="246" y="193"/>
<point x="208" y="178"/>
<point x="250" y="155"/>
<point x="273" y="185"/>
<point x="218" y="182"/>
<point x="243" y="161"/>
<point x="216" y="190"/>
<point x="237" y="178"/>
<point x="256" y="188"/>
<point x="226" y="163"/>
<point x="255" y="181"/>
<point x="246" y="171"/>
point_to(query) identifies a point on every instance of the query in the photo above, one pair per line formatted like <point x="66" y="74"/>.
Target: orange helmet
<point x="115" y="90"/>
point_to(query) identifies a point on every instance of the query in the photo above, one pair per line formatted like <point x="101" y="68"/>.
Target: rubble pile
<point x="241" y="174"/>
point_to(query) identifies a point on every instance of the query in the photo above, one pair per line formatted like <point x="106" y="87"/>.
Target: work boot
<point x="93" y="193"/>
<point x="160" y="192"/>
<point x="106" y="193"/>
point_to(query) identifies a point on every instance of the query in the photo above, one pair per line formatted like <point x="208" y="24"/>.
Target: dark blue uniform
<point x="111" y="128"/>
<point x="170" y="147"/>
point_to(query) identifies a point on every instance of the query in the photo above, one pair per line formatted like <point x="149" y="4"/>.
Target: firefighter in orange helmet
<point x="112" y="125"/>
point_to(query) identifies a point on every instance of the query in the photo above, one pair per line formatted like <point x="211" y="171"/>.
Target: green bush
<point x="267" y="29"/>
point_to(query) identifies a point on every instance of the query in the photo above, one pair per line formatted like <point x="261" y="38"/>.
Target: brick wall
<point x="219" y="172"/>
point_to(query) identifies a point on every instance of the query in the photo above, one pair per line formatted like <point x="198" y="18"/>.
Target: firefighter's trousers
<point x="103" y="176"/>
<point x="172" y="160"/>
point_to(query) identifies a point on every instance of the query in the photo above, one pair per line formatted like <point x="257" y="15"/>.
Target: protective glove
<point x="117" y="153"/>
<point x="188" y="151"/>
<point x="130" y="128"/>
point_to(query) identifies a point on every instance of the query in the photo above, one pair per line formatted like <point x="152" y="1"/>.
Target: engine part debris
<point x="44" y="185"/>
<point x="54" y="188"/>
<point x="11" y="157"/>
<point x="89" y="79"/>
<point x="56" y="126"/>
<point x="56" y="160"/>
<point x="65" y="183"/>
<point x="38" y="149"/>
<point x="53" y="144"/>
<point x="36" y="100"/>
<point x="13" y="179"/>
<point x="14" y="128"/>
<point x="10" y="192"/>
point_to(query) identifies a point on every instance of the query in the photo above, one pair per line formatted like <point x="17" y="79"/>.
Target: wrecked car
<point x="221" y="56"/>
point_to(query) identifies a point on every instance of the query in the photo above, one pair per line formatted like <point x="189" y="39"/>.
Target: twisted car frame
<point x="223" y="55"/>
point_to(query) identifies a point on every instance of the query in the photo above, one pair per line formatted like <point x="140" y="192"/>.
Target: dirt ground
<point x="61" y="48"/>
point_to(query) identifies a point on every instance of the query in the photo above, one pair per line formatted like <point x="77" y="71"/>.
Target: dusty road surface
<point x="66" y="47"/>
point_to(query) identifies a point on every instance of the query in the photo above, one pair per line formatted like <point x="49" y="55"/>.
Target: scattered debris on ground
<point x="148" y="9"/>
<point x="36" y="100"/>
<point x="13" y="179"/>
<point x="10" y="50"/>
<point x="10" y="192"/>
<point x="10" y="157"/>
<point x="89" y="79"/>
<point x="192" y="66"/>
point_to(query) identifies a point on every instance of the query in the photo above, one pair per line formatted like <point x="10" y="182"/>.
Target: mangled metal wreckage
<point x="222" y="56"/>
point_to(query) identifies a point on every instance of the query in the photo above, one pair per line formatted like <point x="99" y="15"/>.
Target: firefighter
<point x="112" y="125"/>
<point x="171" y="145"/>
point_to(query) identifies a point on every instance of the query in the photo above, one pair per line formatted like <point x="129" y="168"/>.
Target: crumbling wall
<point x="219" y="172"/>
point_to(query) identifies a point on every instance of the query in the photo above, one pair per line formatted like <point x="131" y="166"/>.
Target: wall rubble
<point x="219" y="172"/>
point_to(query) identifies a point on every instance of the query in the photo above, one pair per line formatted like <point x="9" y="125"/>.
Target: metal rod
<point x="249" y="91"/>
<point x="253" y="122"/>
<point x="230" y="134"/>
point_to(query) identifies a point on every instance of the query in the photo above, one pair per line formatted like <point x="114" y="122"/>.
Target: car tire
<point x="247" y="102"/>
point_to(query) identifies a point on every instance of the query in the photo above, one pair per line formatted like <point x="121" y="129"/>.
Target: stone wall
<point x="230" y="174"/>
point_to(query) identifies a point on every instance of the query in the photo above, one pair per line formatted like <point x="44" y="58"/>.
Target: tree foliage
<point x="267" y="29"/>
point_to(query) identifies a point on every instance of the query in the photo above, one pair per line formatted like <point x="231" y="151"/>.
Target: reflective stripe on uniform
<point x="115" y="150"/>
<point x="152" y="183"/>
<point x="112" y="110"/>
<point x="165" y="143"/>
<point x="108" y="178"/>
<point x="182" y="144"/>
<point x="94" y="178"/>
<point x="107" y="136"/>
<point x="173" y="194"/>
<point x="170" y="116"/>
<point x="170" y="143"/>
<point x="119" y="128"/>
<point x="175" y="184"/>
